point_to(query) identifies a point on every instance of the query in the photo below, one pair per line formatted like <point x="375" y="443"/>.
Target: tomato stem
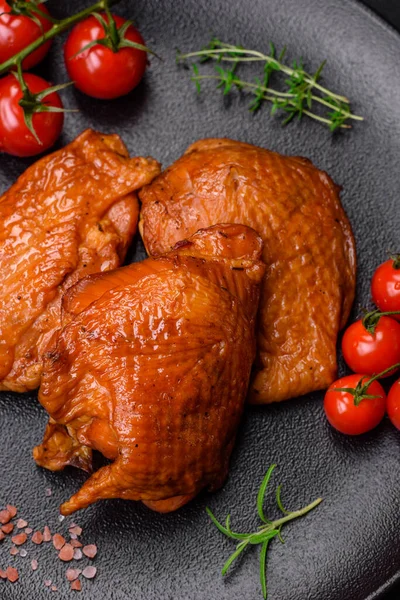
<point x="114" y="37"/>
<point x="360" y="392"/>
<point x="29" y="8"/>
<point x="396" y="261"/>
<point x="33" y="103"/>
<point x="371" y="319"/>
<point x="58" y="27"/>
<point x="112" y="31"/>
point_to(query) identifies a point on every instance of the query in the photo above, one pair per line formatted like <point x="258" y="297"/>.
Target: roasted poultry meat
<point x="309" y="250"/>
<point x="151" y="368"/>
<point x="72" y="213"/>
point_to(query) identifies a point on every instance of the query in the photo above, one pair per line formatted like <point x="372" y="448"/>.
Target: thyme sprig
<point x="265" y="532"/>
<point x="302" y="90"/>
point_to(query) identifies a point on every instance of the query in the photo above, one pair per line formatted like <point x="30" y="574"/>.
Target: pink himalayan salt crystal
<point x="89" y="572"/>
<point x="90" y="550"/>
<point x="73" y="574"/>
<point x="21" y="524"/>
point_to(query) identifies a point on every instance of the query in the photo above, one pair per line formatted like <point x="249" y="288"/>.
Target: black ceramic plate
<point x="349" y="548"/>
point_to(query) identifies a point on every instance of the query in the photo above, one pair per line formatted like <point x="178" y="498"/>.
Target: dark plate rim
<point x="390" y="584"/>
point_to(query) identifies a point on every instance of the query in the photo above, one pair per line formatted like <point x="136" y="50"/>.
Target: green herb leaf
<point x="263" y="568"/>
<point x="234" y="556"/>
<point x="303" y="96"/>
<point x="261" y="494"/>
<point x="265" y="533"/>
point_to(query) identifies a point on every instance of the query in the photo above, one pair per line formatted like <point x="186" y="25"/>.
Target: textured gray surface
<point x="350" y="547"/>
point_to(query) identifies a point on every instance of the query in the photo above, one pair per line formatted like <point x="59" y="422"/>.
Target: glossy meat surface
<point x="152" y="368"/>
<point x="309" y="250"/>
<point x="72" y="213"/>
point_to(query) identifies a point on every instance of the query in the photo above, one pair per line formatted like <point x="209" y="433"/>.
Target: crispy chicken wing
<point x="309" y="250"/>
<point x="72" y="213"/>
<point x="152" y="368"/>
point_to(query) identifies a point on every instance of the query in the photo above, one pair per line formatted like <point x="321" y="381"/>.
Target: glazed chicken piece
<point x="72" y="213"/>
<point x="152" y="368"/>
<point x="309" y="250"/>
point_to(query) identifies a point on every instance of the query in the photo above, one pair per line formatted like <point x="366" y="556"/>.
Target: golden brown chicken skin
<point x="309" y="250"/>
<point x="72" y="213"/>
<point x="152" y="368"/>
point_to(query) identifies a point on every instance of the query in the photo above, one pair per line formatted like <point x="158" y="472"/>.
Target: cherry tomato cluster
<point x="371" y="348"/>
<point x="105" y="57"/>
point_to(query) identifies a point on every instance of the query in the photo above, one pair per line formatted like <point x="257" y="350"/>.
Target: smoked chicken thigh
<point x="152" y="367"/>
<point x="309" y="250"/>
<point x="72" y="213"/>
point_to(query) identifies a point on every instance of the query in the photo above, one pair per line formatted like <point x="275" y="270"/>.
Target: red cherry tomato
<point x="15" y="137"/>
<point x="371" y="353"/>
<point x="98" y="71"/>
<point x="348" y="418"/>
<point x="18" y="31"/>
<point x="393" y="404"/>
<point x="385" y="287"/>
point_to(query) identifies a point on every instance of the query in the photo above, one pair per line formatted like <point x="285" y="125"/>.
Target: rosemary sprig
<point x="265" y="532"/>
<point x="302" y="90"/>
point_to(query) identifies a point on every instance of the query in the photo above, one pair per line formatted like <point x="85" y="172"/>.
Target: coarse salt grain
<point x="34" y="564"/>
<point x="7" y="528"/>
<point x="23" y="553"/>
<point x="90" y="550"/>
<point x="37" y="537"/>
<point x="12" y="574"/>
<point x="66" y="553"/>
<point x="77" y="554"/>
<point x="76" y="544"/>
<point x="76" y="585"/>
<point x="12" y="510"/>
<point x="3" y="574"/>
<point x="14" y="551"/>
<point x="19" y="539"/>
<point x="58" y="541"/>
<point x="73" y="574"/>
<point x="28" y="530"/>
<point x="61" y="518"/>
<point x="2" y="535"/>
<point x="46" y="534"/>
<point x="21" y="524"/>
<point x="53" y="588"/>
<point x="75" y="530"/>
<point x="48" y="492"/>
<point x="47" y="582"/>
<point x="89" y="572"/>
<point x="5" y="516"/>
